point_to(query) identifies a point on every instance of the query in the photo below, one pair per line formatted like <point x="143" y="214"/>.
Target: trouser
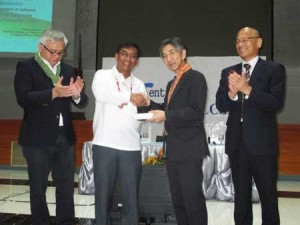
<point x="60" y="159"/>
<point x="263" y="169"/>
<point x="108" y="165"/>
<point x="185" y="178"/>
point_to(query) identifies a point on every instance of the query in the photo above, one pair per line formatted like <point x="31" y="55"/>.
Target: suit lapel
<point x="47" y="80"/>
<point x="62" y="72"/>
<point x="179" y="85"/>
<point x="257" y="72"/>
<point x="238" y="68"/>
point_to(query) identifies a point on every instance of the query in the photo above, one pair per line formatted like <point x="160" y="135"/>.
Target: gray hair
<point x="53" y="35"/>
<point x="175" y="42"/>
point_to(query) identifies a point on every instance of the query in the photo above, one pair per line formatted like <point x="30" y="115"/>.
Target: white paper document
<point x="143" y="116"/>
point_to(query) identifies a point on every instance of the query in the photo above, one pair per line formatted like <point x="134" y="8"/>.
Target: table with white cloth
<point x="217" y="180"/>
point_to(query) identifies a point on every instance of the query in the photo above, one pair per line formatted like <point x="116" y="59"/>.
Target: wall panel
<point x="208" y="27"/>
<point x="289" y="137"/>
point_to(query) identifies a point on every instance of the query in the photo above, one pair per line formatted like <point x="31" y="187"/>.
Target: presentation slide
<point x="22" y="22"/>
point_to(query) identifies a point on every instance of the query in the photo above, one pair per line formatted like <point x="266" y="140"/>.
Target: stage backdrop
<point x="155" y="75"/>
<point x="207" y="27"/>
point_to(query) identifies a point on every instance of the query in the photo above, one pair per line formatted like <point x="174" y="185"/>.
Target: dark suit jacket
<point x="33" y="90"/>
<point x="184" y="118"/>
<point x="259" y="127"/>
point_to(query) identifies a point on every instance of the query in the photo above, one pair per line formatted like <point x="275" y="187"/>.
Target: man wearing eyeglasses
<point x="116" y="142"/>
<point x="45" y="87"/>
<point x="252" y="92"/>
<point x="186" y="143"/>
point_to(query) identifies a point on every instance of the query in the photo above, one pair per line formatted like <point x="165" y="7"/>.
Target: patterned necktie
<point x="247" y="71"/>
<point x="246" y="74"/>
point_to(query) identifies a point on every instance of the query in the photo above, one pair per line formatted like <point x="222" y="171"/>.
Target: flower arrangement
<point x="158" y="159"/>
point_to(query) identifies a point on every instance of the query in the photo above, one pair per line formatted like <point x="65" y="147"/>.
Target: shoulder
<point x="270" y="63"/>
<point x="233" y="67"/>
<point x="66" y="66"/>
<point x="27" y="66"/>
<point x="196" y="79"/>
<point x="104" y="72"/>
<point x="103" y="75"/>
<point x="27" y="62"/>
<point x="195" y="74"/>
<point x="271" y="66"/>
<point x="137" y="80"/>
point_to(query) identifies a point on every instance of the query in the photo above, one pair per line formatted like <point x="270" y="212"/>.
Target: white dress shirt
<point x="115" y="126"/>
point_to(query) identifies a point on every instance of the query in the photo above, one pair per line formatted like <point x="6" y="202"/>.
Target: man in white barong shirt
<point x="116" y="142"/>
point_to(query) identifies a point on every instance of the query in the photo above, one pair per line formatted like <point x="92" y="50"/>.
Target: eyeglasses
<point x="171" y="53"/>
<point x="52" y="53"/>
<point x="125" y="54"/>
<point x="243" y="40"/>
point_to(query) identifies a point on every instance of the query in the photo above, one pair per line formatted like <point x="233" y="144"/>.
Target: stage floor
<point x="15" y="208"/>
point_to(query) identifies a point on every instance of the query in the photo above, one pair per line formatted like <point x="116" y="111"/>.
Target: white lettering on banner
<point x="155" y="75"/>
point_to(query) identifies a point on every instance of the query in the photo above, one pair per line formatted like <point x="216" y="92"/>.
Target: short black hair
<point x="129" y="44"/>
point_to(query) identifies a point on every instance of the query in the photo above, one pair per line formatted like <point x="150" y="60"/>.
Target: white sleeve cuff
<point x="236" y="97"/>
<point x="77" y="100"/>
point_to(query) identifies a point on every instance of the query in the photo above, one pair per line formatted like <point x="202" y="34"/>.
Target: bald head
<point x="248" y="43"/>
<point x="249" y="31"/>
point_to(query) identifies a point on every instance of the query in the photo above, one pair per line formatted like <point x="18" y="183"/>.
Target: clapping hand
<point x="237" y="82"/>
<point x="231" y="85"/>
<point x="61" y="91"/>
<point x="76" y="86"/>
<point x="73" y="89"/>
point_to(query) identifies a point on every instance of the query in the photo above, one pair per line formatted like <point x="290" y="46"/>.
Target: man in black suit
<point x="45" y="87"/>
<point x="183" y="113"/>
<point x="252" y="92"/>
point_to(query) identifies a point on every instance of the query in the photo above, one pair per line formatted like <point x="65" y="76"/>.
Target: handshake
<point x="139" y="99"/>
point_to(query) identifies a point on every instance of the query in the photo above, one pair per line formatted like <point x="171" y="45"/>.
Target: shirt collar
<point x="252" y="62"/>
<point x="120" y="75"/>
<point x="54" y="68"/>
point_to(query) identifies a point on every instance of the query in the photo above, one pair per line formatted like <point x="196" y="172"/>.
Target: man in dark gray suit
<point x="45" y="87"/>
<point x="253" y="93"/>
<point x="183" y="113"/>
